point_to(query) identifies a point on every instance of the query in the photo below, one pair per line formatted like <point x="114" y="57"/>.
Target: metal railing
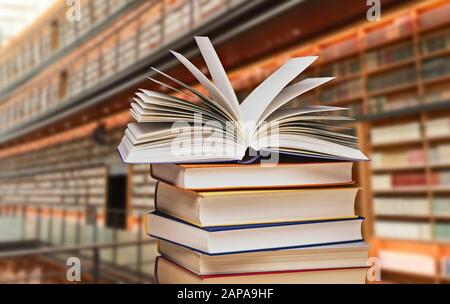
<point x="109" y="248"/>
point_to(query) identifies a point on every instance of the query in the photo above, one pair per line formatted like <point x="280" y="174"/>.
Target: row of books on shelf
<point x="398" y="158"/>
<point x="438" y="154"/>
<point x="430" y="69"/>
<point x="392" y="79"/>
<point x="390" y="55"/>
<point x="415" y="263"/>
<point x="85" y="70"/>
<point x="54" y="35"/>
<point x="400" y="27"/>
<point x="397" y="28"/>
<point x="412" y="206"/>
<point x="38" y="200"/>
<point x="437" y="94"/>
<point x="419" y="231"/>
<point x="399" y="180"/>
<point x="344" y="68"/>
<point x="339" y="49"/>
<point x="435" y="42"/>
<point x="434" y="17"/>
<point x="142" y="187"/>
<point x="445" y="267"/>
<point x="439" y="127"/>
<point x="436" y="67"/>
<point x="411" y="131"/>
<point x="395" y="133"/>
<point x="345" y="90"/>
<point x="84" y="152"/>
<point x="387" y="103"/>
<point x="409" y="262"/>
<point x="27" y="105"/>
<point x="380" y="57"/>
<point x="87" y="186"/>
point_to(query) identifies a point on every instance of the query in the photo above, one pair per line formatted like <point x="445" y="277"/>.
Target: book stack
<point x="225" y="223"/>
<point x="247" y="204"/>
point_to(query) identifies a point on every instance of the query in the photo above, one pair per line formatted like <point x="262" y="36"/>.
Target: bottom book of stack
<point x="342" y="263"/>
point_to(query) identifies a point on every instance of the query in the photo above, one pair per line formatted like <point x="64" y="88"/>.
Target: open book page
<point x="259" y="99"/>
<point x="208" y="101"/>
<point x="160" y="105"/>
<point x="215" y="93"/>
<point x="218" y="73"/>
<point x="289" y="93"/>
<point x="301" y="143"/>
<point x="294" y="125"/>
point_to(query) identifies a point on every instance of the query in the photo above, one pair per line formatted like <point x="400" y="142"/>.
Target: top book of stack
<point x="194" y="127"/>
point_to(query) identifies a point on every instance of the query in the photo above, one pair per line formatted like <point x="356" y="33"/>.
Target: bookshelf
<point x="406" y="123"/>
<point x="50" y="34"/>
<point x="141" y="187"/>
<point x="70" y="175"/>
<point x="138" y="33"/>
<point x="393" y="77"/>
<point x="80" y="186"/>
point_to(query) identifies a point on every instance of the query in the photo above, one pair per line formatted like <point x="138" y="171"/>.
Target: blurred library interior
<point x="67" y="78"/>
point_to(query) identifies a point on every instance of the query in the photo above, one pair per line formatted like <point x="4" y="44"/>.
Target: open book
<point x="189" y="126"/>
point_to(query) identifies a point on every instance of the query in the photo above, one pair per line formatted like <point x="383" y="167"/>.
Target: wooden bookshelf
<point x="344" y="54"/>
<point x="141" y="188"/>
<point x="137" y="33"/>
<point x="411" y="154"/>
<point x="416" y="93"/>
<point x="407" y="44"/>
<point x="49" y="34"/>
<point x="80" y="186"/>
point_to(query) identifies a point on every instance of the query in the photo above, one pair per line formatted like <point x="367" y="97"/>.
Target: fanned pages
<point x="210" y="125"/>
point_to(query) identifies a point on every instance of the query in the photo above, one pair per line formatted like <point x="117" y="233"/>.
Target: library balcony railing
<point x="109" y="249"/>
<point x="128" y="45"/>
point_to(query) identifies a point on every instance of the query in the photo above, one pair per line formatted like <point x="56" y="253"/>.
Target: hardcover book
<point x="251" y="237"/>
<point x="234" y="176"/>
<point x="167" y="272"/>
<point x="236" y="207"/>
<point x="346" y="255"/>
